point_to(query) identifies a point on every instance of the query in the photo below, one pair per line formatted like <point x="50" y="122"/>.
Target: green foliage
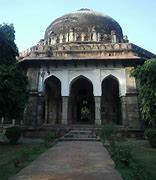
<point x="13" y="91"/>
<point x="13" y="133"/>
<point x="108" y="132"/>
<point x="139" y="172"/>
<point x="135" y="171"/>
<point x="127" y="163"/>
<point x="151" y="135"/>
<point x="147" y="76"/>
<point x="13" y="81"/>
<point x="121" y="154"/>
<point x="13" y="158"/>
<point x="48" y="139"/>
<point x="8" y="49"/>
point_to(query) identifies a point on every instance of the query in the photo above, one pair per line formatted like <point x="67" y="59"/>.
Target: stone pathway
<point x="72" y="160"/>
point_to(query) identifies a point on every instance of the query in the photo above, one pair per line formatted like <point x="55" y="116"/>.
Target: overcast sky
<point x="31" y="18"/>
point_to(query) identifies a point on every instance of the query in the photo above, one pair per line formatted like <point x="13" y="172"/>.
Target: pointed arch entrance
<point x="110" y="101"/>
<point x="53" y="100"/>
<point x="82" y="103"/>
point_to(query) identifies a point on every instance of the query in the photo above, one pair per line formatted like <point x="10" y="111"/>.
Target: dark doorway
<point x="53" y="101"/>
<point x="82" y="105"/>
<point x="110" y="101"/>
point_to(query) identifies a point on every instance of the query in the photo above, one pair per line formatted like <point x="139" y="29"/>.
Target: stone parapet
<point x="85" y="49"/>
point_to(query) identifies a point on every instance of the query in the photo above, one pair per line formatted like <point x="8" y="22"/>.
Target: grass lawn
<point x="144" y="155"/>
<point x="15" y="157"/>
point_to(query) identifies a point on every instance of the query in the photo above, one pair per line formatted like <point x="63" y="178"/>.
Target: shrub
<point x="139" y="172"/>
<point x="151" y="135"/>
<point x="48" y="139"/>
<point x="13" y="133"/>
<point x="108" y="132"/>
<point x="121" y="154"/>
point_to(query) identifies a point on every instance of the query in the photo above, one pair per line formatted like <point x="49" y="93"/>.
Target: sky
<point x="31" y="18"/>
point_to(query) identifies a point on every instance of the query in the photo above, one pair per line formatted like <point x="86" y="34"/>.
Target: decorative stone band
<point x="98" y="49"/>
<point x="72" y="36"/>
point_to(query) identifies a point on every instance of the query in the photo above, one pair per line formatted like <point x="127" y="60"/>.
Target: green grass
<point x="143" y="155"/>
<point x="147" y="157"/>
<point x="15" y="157"/>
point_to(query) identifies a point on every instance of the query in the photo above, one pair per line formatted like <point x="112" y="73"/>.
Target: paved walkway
<point x="72" y="160"/>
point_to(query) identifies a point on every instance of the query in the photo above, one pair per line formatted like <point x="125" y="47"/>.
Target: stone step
<point x="79" y="136"/>
<point x="82" y="135"/>
<point x="80" y="139"/>
<point x="80" y="132"/>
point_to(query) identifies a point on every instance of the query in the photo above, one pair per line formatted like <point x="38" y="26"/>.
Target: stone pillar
<point x="133" y="110"/>
<point x="94" y="36"/>
<point x="124" y="111"/>
<point x="46" y="109"/>
<point x="61" y="38"/>
<point x="64" y="110"/>
<point x="82" y="37"/>
<point x="71" y="37"/>
<point x="98" y="36"/>
<point x="130" y="111"/>
<point x="30" y="112"/>
<point x="40" y="109"/>
<point x="132" y="102"/>
<point x="67" y="37"/>
<point x="97" y="110"/>
<point x="113" y="37"/>
<point x="53" y="40"/>
<point x="130" y="81"/>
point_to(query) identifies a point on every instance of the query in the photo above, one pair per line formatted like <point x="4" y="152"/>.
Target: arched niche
<point x="110" y="101"/>
<point x="53" y="100"/>
<point x="81" y="101"/>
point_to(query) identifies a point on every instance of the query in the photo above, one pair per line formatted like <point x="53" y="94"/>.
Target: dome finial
<point x="84" y="9"/>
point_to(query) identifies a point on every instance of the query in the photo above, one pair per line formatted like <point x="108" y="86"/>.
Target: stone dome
<point x="84" y="21"/>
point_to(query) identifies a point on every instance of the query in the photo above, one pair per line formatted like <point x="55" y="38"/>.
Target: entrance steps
<point x="67" y="132"/>
<point x="84" y="134"/>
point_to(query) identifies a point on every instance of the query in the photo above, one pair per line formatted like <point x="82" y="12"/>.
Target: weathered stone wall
<point x="30" y="113"/>
<point x="130" y="111"/>
<point x="40" y="110"/>
<point x="131" y="101"/>
<point x="133" y="111"/>
<point x="94" y="74"/>
<point x="32" y="74"/>
<point x="34" y="111"/>
<point x="130" y="81"/>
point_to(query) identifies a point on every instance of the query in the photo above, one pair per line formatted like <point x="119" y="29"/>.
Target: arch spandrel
<point x="63" y="77"/>
<point x="111" y="77"/>
<point x="74" y="79"/>
<point x="119" y="75"/>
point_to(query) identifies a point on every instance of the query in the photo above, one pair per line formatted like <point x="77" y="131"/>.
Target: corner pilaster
<point x="97" y="110"/>
<point x="65" y="110"/>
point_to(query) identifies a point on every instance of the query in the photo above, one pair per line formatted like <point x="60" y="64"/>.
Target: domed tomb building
<point x="79" y="74"/>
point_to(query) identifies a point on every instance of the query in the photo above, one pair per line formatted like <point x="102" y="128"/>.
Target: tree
<point x="147" y="77"/>
<point x="8" y="49"/>
<point x="13" y="81"/>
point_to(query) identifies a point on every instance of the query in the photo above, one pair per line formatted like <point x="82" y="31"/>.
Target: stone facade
<point x="79" y="76"/>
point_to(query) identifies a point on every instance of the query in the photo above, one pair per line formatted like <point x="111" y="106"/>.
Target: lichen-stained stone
<point x="84" y="20"/>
